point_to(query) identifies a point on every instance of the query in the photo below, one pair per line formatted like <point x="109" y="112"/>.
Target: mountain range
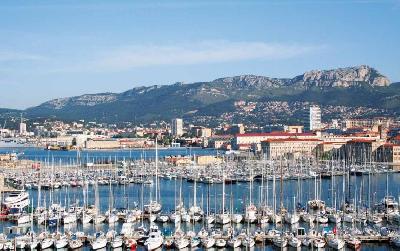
<point x="350" y="89"/>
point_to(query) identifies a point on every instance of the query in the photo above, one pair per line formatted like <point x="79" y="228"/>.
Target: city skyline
<point x="70" y="48"/>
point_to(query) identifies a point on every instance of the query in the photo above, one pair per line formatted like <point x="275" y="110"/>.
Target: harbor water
<point x="364" y="190"/>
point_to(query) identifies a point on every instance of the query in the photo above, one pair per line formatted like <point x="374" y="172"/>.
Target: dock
<point x="372" y="239"/>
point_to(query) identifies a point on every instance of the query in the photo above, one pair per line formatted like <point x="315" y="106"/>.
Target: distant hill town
<point x="344" y="92"/>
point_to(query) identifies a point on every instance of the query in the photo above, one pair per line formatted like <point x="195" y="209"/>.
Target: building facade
<point x="253" y="140"/>
<point x="22" y="129"/>
<point x="315" y="118"/>
<point x="177" y="127"/>
<point x="291" y="148"/>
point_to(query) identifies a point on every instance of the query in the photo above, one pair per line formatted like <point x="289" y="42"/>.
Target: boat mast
<point x="156" y="170"/>
<point x="223" y="191"/>
<point x="281" y="189"/>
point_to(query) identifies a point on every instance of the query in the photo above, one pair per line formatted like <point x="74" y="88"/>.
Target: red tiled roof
<point x="291" y="139"/>
<point x="361" y="141"/>
<point x="334" y="142"/>
<point x="274" y="134"/>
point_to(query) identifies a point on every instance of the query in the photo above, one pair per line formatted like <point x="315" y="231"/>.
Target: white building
<point x="22" y="129"/>
<point x="253" y="140"/>
<point x="292" y="148"/>
<point x="177" y="127"/>
<point x="315" y="118"/>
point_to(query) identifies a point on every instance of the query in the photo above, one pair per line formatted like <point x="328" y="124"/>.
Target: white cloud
<point x="13" y="56"/>
<point x="193" y="53"/>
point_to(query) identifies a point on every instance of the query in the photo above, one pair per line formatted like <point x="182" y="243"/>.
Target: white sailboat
<point x="292" y="218"/>
<point x="98" y="217"/>
<point x="195" y="212"/>
<point x="224" y="217"/>
<point x="251" y="209"/>
<point x="155" y="206"/>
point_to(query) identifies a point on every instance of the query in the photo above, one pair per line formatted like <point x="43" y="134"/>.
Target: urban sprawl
<point x="357" y="140"/>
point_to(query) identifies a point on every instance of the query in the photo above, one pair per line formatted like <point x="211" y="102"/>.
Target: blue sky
<point x="51" y="49"/>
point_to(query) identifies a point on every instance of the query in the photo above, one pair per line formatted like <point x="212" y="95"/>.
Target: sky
<point x="52" y="49"/>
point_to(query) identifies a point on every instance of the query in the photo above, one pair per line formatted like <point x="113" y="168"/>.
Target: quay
<point x="372" y="239"/>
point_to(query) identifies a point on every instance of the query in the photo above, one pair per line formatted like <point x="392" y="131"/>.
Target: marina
<point x="199" y="125"/>
<point x="137" y="200"/>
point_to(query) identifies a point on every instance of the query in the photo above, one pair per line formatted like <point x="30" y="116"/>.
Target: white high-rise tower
<point x="177" y="127"/>
<point x="22" y="128"/>
<point x="315" y="118"/>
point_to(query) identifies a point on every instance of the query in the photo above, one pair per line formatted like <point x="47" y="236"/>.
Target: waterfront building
<point x="208" y="160"/>
<point x="177" y="127"/>
<point x="291" y="148"/>
<point x="219" y="142"/>
<point x="102" y="144"/>
<point x="315" y="118"/>
<point x="361" y="151"/>
<point x="253" y="140"/>
<point x="135" y="143"/>
<point x="179" y="160"/>
<point x="388" y="153"/>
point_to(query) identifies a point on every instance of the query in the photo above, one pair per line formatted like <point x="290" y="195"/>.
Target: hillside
<point x="348" y="89"/>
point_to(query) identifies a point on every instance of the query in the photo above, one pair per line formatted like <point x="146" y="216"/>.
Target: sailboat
<point x="276" y="218"/>
<point x="335" y="242"/>
<point x="98" y="218"/>
<point x="70" y="216"/>
<point x="251" y="209"/>
<point x="195" y="212"/>
<point x="176" y="216"/>
<point x="86" y="218"/>
<point x="292" y="218"/>
<point x="224" y="217"/>
<point x="181" y="243"/>
<point x="33" y="242"/>
<point x="99" y="242"/>
<point x="265" y="211"/>
<point x="155" y="207"/>
<point x="112" y="217"/>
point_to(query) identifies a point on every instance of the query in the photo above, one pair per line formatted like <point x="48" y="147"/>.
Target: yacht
<point x="155" y="239"/>
<point x="62" y="242"/>
<point x="208" y="242"/>
<point x="16" y="202"/>
<point x="280" y="241"/>
<point x="117" y="242"/>
<point x="234" y="242"/>
<point x="292" y="218"/>
<point x="335" y="243"/>
<point x="154" y="207"/>
<point x="181" y="243"/>
<point x="251" y="213"/>
<point x="46" y="243"/>
<point x="100" y="242"/>
<point x="195" y="242"/>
